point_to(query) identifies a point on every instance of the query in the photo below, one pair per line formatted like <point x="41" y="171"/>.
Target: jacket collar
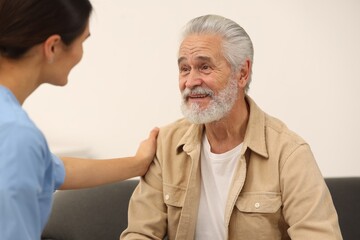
<point x="255" y="136"/>
<point x="192" y="138"/>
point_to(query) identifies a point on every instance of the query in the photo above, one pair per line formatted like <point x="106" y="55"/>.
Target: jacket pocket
<point x="174" y="195"/>
<point x="258" y="215"/>
<point x="259" y="202"/>
<point x="174" y="198"/>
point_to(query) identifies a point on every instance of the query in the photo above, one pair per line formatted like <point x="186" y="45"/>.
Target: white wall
<point x="306" y="72"/>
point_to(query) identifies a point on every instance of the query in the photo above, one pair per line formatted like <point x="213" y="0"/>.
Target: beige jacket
<point x="277" y="192"/>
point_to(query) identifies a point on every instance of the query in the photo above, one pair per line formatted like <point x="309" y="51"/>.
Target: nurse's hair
<point x="26" y="23"/>
<point x="236" y="43"/>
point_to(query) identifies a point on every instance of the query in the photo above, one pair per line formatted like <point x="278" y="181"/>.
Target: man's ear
<point x="51" y="47"/>
<point x="244" y="74"/>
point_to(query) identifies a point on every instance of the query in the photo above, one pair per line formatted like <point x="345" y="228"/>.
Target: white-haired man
<point x="228" y="170"/>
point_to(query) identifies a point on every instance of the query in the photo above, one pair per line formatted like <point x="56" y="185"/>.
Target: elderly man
<point x="228" y="170"/>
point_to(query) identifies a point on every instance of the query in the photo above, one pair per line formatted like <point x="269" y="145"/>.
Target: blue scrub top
<point x="29" y="173"/>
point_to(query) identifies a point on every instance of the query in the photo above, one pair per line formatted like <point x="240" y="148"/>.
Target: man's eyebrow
<point x="180" y="59"/>
<point x="201" y="58"/>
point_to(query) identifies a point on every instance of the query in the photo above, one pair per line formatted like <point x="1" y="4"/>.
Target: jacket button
<point x="167" y="197"/>
<point x="257" y="205"/>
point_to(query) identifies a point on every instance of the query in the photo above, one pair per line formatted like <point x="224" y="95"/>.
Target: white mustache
<point x="197" y="90"/>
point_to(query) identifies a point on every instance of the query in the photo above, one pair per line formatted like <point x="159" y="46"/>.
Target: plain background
<point x="306" y="72"/>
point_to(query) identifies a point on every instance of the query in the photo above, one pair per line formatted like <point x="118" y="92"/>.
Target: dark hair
<point x="26" y="23"/>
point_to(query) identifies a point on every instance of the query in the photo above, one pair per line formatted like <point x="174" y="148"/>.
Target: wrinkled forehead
<point x="200" y="46"/>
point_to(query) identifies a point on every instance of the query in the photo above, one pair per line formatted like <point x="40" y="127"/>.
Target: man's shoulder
<point x="171" y="134"/>
<point x="277" y="128"/>
<point x="273" y="126"/>
<point x="179" y="126"/>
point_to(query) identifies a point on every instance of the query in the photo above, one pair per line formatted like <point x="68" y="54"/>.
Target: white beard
<point x="219" y="106"/>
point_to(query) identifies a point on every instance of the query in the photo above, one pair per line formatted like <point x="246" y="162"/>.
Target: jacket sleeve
<point x="307" y="203"/>
<point x="147" y="217"/>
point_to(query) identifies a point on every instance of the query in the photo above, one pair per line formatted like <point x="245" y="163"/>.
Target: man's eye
<point x="184" y="69"/>
<point x="205" y="68"/>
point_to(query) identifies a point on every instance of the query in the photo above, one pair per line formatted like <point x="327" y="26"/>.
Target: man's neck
<point x="228" y="132"/>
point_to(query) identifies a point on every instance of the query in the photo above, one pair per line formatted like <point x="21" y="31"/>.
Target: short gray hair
<point x="237" y="45"/>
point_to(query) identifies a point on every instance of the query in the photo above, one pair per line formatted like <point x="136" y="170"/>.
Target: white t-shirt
<point x="216" y="174"/>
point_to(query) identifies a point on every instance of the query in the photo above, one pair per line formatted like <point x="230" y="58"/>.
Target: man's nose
<point x="193" y="79"/>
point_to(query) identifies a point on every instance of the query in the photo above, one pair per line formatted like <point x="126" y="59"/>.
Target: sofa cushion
<point x="345" y="192"/>
<point x="101" y="212"/>
<point x="90" y="214"/>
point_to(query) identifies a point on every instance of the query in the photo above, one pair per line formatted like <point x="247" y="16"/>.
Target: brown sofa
<point x="101" y="212"/>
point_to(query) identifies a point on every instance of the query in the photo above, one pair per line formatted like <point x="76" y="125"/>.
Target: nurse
<point x="40" y="42"/>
